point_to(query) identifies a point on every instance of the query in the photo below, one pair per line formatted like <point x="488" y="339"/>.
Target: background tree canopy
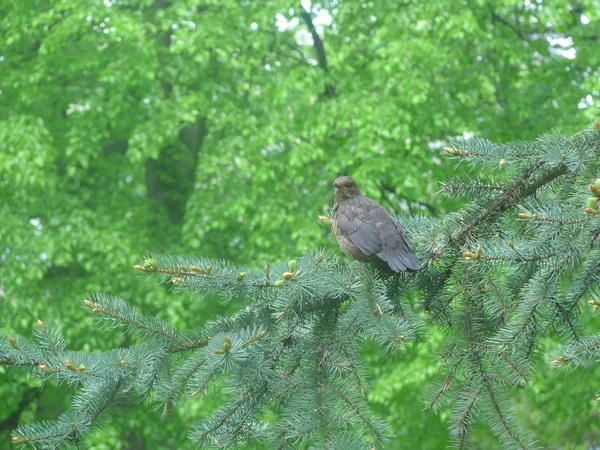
<point x="216" y="128"/>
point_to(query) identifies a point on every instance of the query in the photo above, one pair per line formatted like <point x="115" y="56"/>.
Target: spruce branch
<point x="507" y="429"/>
<point x="463" y="413"/>
<point x="582" y="353"/>
<point x="439" y="394"/>
<point x="537" y="217"/>
<point x="49" y="338"/>
<point x="115" y="310"/>
<point x="357" y="410"/>
<point x="519" y="190"/>
<point x="166" y="395"/>
<point x="504" y="271"/>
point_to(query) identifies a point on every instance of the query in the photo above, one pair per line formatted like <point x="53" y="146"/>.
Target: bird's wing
<point x="354" y="222"/>
<point x="373" y="230"/>
<point x="409" y="245"/>
<point x="396" y="248"/>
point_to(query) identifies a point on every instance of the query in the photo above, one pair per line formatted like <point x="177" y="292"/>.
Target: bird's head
<point x="345" y="188"/>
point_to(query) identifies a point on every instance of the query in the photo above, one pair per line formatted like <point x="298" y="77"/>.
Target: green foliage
<point x="209" y="127"/>
<point x="293" y="339"/>
<point x="288" y="360"/>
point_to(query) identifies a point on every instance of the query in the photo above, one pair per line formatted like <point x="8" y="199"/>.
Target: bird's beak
<point x="337" y="185"/>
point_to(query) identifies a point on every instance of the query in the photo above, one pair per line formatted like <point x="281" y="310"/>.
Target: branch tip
<point x="13" y="343"/>
<point x="197" y="269"/>
<point x="595" y="304"/>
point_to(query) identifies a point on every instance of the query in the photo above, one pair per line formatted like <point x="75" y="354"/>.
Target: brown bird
<point x="366" y="231"/>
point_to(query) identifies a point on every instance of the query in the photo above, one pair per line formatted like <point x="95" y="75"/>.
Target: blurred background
<point x="216" y="128"/>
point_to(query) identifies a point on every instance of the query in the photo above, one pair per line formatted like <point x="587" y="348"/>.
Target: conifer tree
<point x="511" y="267"/>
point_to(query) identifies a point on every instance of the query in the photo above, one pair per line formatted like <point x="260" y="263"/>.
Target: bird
<point x="365" y="230"/>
